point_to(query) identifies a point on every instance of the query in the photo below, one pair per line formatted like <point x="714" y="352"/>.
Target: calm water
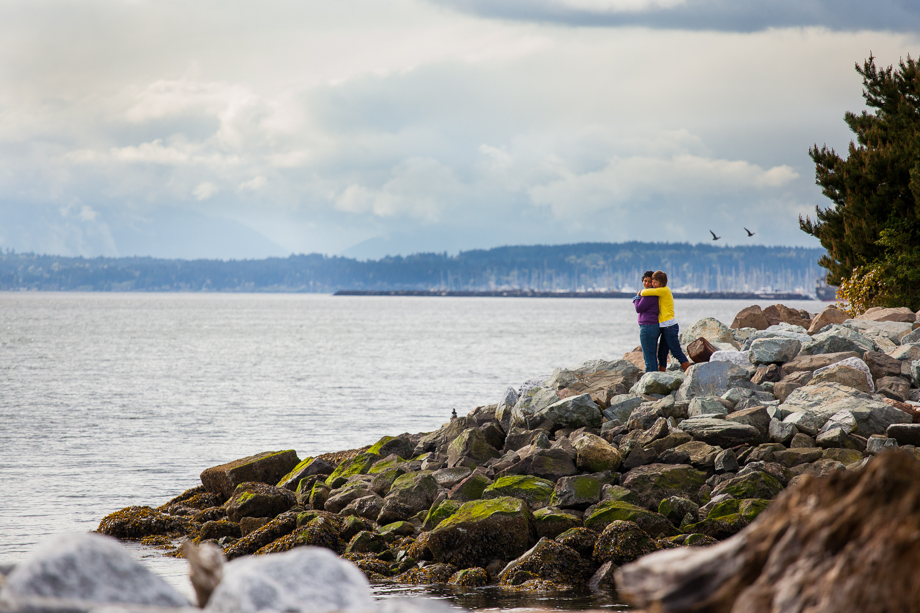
<point x="112" y="400"/>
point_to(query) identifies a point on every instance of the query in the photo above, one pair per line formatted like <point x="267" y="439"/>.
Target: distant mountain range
<point x="546" y="268"/>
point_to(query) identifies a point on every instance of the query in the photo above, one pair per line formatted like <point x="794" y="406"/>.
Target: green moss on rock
<point x="608" y="512"/>
<point x="536" y="492"/>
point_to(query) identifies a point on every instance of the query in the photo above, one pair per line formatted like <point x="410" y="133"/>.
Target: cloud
<point x="716" y="15"/>
<point x="254" y="184"/>
<point x="205" y="190"/>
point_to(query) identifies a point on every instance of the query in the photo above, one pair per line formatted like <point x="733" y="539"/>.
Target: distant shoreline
<point x="536" y="294"/>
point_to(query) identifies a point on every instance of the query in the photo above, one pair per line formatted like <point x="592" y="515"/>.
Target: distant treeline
<point x="575" y="267"/>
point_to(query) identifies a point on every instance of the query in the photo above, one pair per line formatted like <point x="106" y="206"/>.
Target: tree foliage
<point x="872" y="232"/>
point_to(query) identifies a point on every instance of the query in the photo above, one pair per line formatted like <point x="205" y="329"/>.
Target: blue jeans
<point x="648" y="338"/>
<point x="670" y="341"/>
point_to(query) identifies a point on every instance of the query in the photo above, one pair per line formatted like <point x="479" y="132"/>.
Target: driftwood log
<point x="846" y="542"/>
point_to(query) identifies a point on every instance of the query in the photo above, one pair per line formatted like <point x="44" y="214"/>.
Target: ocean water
<point x="113" y="400"/>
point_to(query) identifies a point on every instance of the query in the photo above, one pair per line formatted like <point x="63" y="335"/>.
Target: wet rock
<point x="470" y="577"/>
<point x="135" y="523"/>
<point x="750" y="317"/>
<point x="88" y="567"/>
<point x="553" y="521"/>
<point x="307" y="468"/>
<point x="255" y="499"/>
<point x="409" y="494"/>
<point x="470" y="447"/>
<point x="482" y="531"/>
<point x="536" y="492"/>
<point x="600" y="516"/>
<point x="577" y="492"/>
<point x="279" y="527"/>
<point x="550" y="561"/>
<point x="366" y="542"/>
<point x="429" y="575"/>
<point x="268" y="467"/>
<point x="470" y="488"/>
<point x="219" y="529"/>
<point x="622" y="542"/>
<point x="729" y="517"/>
<point x="301" y="580"/>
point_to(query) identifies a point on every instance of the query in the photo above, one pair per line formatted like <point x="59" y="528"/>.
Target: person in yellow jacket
<point x="669" y="335"/>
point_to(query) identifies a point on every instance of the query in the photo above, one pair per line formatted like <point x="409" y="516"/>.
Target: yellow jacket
<point x="665" y="301"/>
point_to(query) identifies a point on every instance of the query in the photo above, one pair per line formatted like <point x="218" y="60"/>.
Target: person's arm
<point x="647" y="303"/>
<point x="655" y="291"/>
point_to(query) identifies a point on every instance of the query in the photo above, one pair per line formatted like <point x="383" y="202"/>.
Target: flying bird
<point x="749" y="232"/>
<point x="714" y="237"/>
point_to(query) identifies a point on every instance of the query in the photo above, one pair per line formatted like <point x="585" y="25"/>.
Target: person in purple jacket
<point x="647" y="308"/>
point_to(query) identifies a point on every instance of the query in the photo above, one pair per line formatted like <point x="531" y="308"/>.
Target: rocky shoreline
<point x="566" y="479"/>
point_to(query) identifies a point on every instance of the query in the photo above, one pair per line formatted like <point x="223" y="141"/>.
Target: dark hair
<point x="661" y="277"/>
<point x="648" y="273"/>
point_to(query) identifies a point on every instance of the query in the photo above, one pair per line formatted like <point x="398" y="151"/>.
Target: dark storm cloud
<point x="716" y="15"/>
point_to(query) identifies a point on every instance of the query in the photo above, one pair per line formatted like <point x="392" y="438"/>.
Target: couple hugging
<point x="658" y="329"/>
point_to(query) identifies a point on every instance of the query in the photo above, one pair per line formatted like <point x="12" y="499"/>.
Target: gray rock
<point x="878" y="443"/>
<point x="892" y="330"/>
<point x="836" y="338"/>
<point x="782" y="432"/>
<point x="662" y="383"/>
<point x="573" y="412"/>
<point x="706" y="405"/>
<point x="305" y="579"/>
<point x="844" y="420"/>
<point x="504" y="406"/>
<point x="703" y="512"/>
<point x="622" y="406"/>
<point x="726" y="462"/>
<point x="774" y="350"/>
<point x="711" y="329"/>
<point x="88" y="567"/>
<point x="755" y="416"/>
<point x="915" y="372"/>
<point x="825" y="399"/>
<point x="804" y="422"/>
<point x="531" y="401"/>
<point x="777" y="331"/>
<point x="713" y="379"/>
<point x="720" y="432"/>
<point x="832" y="438"/>
<point x="912" y="337"/>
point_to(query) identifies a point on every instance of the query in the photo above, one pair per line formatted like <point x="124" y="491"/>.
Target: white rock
<point x="738" y="358"/>
<point x="305" y="579"/>
<point x="89" y="567"/>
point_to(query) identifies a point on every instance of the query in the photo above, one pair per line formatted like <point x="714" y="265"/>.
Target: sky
<point x="365" y="128"/>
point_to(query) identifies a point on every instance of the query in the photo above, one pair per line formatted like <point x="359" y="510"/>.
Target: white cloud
<point x="254" y="184"/>
<point x="205" y="190"/>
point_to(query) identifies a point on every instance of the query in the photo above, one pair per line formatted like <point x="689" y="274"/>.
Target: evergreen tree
<point x="872" y="233"/>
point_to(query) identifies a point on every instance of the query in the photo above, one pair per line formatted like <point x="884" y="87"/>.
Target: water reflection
<point x="493" y="598"/>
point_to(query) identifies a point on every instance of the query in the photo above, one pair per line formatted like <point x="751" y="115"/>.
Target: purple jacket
<point x="647" y="308"/>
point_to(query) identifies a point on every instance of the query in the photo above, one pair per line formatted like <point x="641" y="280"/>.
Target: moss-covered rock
<point x="470" y="448"/>
<point x="254" y="499"/>
<point x="400" y="446"/>
<point x="655" y="482"/>
<point x="397" y="529"/>
<point x="553" y="521"/>
<point x="135" y="523"/>
<point x="676" y="508"/>
<point x="279" y="527"/>
<point x="483" y="530"/>
<point x="359" y="465"/>
<point x="268" y="467"/>
<point x="728" y="518"/>
<point x="470" y="577"/>
<point x="366" y="542"/>
<point x="319" y="494"/>
<point x="373" y="569"/>
<point x="578" y="491"/>
<point x="622" y="542"/>
<point x="409" y="494"/>
<point x="345" y="495"/>
<point x="608" y="512"/>
<point x="219" y="529"/>
<point x="309" y="467"/>
<point x="470" y="488"/>
<point x="433" y="573"/>
<point x="618" y="492"/>
<point x="753" y="484"/>
<point x="536" y="492"/>
<point x="580" y="539"/>
<point x="549" y="560"/>
<point x="196" y="498"/>
<point x="439" y="512"/>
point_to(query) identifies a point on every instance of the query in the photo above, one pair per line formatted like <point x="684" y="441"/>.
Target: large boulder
<point x="622" y="542"/>
<point x="844" y="374"/>
<point x="267" y="467"/>
<point x="902" y="314"/>
<point x="866" y="420"/>
<point x="712" y="330"/>
<point x="358" y="465"/>
<point x="572" y="412"/>
<point x="837" y="338"/>
<point x="254" y="499"/>
<point x="749" y="484"/>
<point x="135" y="523"/>
<point x="750" y="317"/>
<point x="531" y="402"/>
<point x="90" y="568"/>
<point x="536" y="492"/>
<point x="438" y="440"/>
<point x="545" y="463"/>
<point x="780" y="313"/>
<point x="720" y="432"/>
<point x="825" y="399"/>
<point x="774" y="350"/>
<point x="578" y="492"/>
<point x="409" y="494"/>
<point x="620" y="407"/>
<point x="470" y="447"/>
<point x="882" y="365"/>
<point x="305" y="579"/>
<point x="594" y="454"/>
<point x="830" y="315"/>
<point x="713" y="379"/>
<point x="401" y="445"/>
<point x="307" y="468"/>
<point x="599" y="517"/>
<point x="811" y="363"/>
<point x="654" y="482"/>
<point x="548" y="561"/>
<point x="893" y="331"/>
<point x="344" y="496"/>
<point x="277" y="528"/>
<point x="482" y="531"/>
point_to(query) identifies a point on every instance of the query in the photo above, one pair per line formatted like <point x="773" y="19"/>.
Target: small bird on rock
<point x="714" y="237"/>
<point x="453" y="414"/>
<point x="749" y="232"/>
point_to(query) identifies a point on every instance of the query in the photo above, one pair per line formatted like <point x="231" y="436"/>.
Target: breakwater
<point x="785" y="296"/>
